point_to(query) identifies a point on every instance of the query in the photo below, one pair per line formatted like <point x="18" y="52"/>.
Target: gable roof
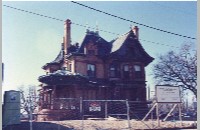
<point x="129" y="47"/>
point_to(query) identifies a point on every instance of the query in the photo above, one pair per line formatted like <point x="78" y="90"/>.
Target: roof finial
<point x="97" y="27"/>
<point x="131" y="26"/>
<point x="87" y="27"/>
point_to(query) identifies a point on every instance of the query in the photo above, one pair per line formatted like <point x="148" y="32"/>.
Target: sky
<point x="30" y="41"/>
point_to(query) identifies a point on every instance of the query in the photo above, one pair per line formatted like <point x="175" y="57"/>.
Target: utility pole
<point x="30" y="106"/>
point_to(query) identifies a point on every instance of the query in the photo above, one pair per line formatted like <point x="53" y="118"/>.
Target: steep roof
<point x="129" y="47"/>
<point x="57" y="60"/>
<point x="117" y="43"/>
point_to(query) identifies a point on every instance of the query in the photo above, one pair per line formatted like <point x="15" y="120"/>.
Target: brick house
<point x="96" y="69"/>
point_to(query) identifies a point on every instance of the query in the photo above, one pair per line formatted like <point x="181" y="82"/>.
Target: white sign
<point x="168" y="94"/>
<point x="95" y="107"/>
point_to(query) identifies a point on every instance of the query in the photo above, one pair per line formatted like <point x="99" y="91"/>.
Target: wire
<point x="41" y="15"/>
<point x="30" y="12"/>
<point x="95" y="28"/>
<point x="158" y="43"/>
<point x="133" y="21"/>
<point x="34" y="13"/>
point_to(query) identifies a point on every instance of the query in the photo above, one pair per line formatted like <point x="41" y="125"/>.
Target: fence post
<point x="157" y="113"/>
<point x="128" y="114"/>
<point x="81" y="113"/>
<point x="81" y="107"/>
<point x="106" y="109"/>
<point x="180" y="117"/>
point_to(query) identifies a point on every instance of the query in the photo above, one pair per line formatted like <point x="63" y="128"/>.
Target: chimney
<point x="136" y="31"/>
<point x="67" y="35"/>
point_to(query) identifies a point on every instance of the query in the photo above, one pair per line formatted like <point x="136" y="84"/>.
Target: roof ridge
<point x="120" y="36"/>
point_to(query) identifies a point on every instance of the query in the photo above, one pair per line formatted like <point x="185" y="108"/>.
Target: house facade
<point x="95" y="69"/>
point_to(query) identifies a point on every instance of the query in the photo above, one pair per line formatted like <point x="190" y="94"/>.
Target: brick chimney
<point x="67" y="35"/>
<point x="136" y="31"/>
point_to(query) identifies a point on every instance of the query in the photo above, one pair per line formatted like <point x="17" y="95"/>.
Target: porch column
<point x="53" y="96"/>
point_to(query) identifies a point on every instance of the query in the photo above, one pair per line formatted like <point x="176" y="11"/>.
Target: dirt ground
<point x="102" y="125"/>
<point x="123" y="124"/>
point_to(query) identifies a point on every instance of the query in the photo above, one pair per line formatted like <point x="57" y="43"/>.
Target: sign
<point x="95" y="106"/>
<point x="168" y="94"/>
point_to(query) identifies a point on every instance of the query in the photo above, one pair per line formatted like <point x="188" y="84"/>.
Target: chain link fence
<point x="79" y="114"/>
<point x="102" y="113"/>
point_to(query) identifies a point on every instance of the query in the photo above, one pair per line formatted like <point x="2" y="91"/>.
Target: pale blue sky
<point x="30" y="41"/>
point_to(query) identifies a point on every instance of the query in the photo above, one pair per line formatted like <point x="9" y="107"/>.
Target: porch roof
<point x="62" y="77"/>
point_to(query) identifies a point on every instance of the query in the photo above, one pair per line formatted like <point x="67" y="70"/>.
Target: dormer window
<point x="91" y="52"/>
<point x="90" y="49"/>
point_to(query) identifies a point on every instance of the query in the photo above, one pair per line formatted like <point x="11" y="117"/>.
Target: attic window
<point x="91" y="52"/>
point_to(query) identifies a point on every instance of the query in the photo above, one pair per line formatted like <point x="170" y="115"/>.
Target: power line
<point x="95" y="28"/>
<point x="161" y="30"/>
<point x="30" y="12"/>
<point x="53" y="18"/>
<point x="158" y="43"/>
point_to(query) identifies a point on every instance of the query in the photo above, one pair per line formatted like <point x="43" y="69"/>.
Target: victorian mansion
<point x="96" y="69"/>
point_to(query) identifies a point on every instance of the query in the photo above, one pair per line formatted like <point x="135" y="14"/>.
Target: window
<point x="138" y="71"/>
<point x="91" y="70"/>
<point x="70" y="67"/>
<point x="137" y="68"/>
<point x="91" y="52"/>
<point x="126" y="72"/>
<point x="113" y="71"/>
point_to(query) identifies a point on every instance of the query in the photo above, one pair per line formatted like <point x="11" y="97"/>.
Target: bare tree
<point x="28" y="98"/>
<point x="178" y="69"/>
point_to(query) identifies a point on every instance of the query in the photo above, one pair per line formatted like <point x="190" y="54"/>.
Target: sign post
<point x="166" y="94"/>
